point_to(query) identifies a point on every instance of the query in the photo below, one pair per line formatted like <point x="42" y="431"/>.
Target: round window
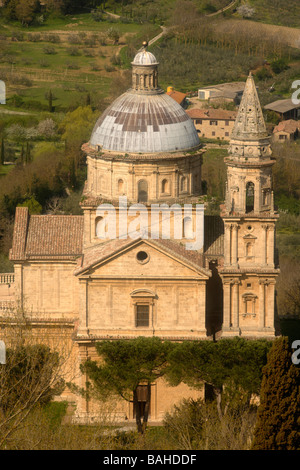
<point x="142" y="257"/>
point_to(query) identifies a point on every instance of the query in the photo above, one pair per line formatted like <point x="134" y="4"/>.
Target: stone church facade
<point x="69" y="271"/>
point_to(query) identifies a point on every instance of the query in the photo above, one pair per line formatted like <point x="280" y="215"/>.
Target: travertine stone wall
<point x="176" y="294"/>
<point x="166" y="180"/>
<point x="48" y="288"/>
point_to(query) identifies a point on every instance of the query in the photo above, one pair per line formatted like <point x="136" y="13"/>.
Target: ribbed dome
<point x="144" y="58"/>
<point x="141" y="123"/>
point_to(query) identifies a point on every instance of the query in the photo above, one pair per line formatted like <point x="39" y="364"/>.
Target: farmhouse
<point x="213" y="123"/>
<point x="228" y="92"/>
<point x="286" y="131"/>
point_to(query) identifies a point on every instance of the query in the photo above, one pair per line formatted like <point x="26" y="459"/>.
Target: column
<point x="227" y="304"/>
<point x="271" y="247"/>
<point x="271" y="304"/>
<point x="227" y="244"/>
<point x="83" y="307"/>
<point x="262" y="303"/>
<point x="257" y="194"/>
<point x="202" y="308"/>
<point x="264" y="247"/>
<point x="235" y="313"/>
<point x="234" y="260"/>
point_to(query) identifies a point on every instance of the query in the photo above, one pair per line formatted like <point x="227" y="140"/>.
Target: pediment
<point x="249" y="236"/>
<point x="141" y="258"/>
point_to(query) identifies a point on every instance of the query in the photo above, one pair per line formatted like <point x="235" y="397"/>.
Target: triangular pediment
<point x="147" y="258"/>
<point x="249" y="236"/>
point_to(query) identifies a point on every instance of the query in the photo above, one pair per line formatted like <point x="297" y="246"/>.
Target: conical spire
<point x="249" y="123"/>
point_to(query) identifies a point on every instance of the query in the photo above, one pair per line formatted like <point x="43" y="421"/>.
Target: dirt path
<point x="231" y="4"/>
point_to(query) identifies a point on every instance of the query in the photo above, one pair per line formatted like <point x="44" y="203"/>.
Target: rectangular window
<point x="198" y="121"/>
<point x="142" y="315"/>
<point x="226" y="123"/>
<point x="213" y="133"/>
<point x="213" y="123"/>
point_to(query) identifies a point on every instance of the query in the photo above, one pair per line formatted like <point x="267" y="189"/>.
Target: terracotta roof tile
<point x="177" y="96"/>
<point x="289" y="126"/>
<point x="211" y="113"/>
<point x="19" y="235"/>
<point x="44" y="236"/>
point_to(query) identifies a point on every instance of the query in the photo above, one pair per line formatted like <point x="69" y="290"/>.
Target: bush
<point x="97" y="15"/>
<point x="263" y="74"/>
<point x="49" y="50"/>
<point x="72" y="66"/>
<point x="52" y="37"/>
<point x="73" y="51"/>
<point x="34" y="37"/>
<point x="74" y="39"/>
<point x="279" y="65"/>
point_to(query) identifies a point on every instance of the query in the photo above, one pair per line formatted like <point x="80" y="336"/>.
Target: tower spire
<point x="249" y="124"/>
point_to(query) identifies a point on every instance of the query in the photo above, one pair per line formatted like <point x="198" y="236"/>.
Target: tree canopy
<point x="228" y="362"/>
<point x="125" y="365"/>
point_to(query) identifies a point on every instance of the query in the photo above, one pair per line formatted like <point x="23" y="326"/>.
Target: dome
<point x="140" y="123"/>
<point x="144" y="119"/>
<point x="144" y="58"/>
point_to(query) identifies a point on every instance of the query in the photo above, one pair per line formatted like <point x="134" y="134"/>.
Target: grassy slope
<point x="69" y="77"/>
<point x="277" y="12"/>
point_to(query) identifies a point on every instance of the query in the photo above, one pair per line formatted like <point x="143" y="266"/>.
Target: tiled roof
<point x="289" y="126"/>
<point x="177" y="96"/>
<point x="101" y="252"/>
<point x="61" y="236"/>
<point x="46" y="236"/>
<point x="211" y="113"/>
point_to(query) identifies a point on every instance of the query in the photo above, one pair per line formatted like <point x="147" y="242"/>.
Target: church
<point x="203" y="278"/>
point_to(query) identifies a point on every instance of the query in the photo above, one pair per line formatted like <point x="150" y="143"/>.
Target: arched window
<point x="120" y="186"/>
<point x="249" y="197"/>
<point x="183" y="184"/>
<point x="165" y="187"/>
<point x="100" y="227"/>
<point x="187" y="228"/>
<point x="142" y="191"/>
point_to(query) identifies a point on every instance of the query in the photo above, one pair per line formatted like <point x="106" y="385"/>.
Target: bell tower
<point x="249" y="272"/>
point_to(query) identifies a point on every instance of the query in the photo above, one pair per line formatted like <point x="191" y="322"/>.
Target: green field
<point x="277" y="12"/>
<point x="72" y="57"/>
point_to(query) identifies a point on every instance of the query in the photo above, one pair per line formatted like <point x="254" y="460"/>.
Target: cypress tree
<point x="28" y="153"/>
<point x="50" y="101"/>
<point x="278" y="421"/>
<point x="2" y="153"/>
<point x="22" y="155"/>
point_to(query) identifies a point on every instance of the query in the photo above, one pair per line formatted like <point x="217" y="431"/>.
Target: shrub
<point x="279" y="65"/>
<point x="97" y="15"/>
<point x="74" y="39"/>
<point x="74" y="51"/>
<point x="34" y="37"/>
<point x="49" y="50"/>
<point x="52" y="37"/>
